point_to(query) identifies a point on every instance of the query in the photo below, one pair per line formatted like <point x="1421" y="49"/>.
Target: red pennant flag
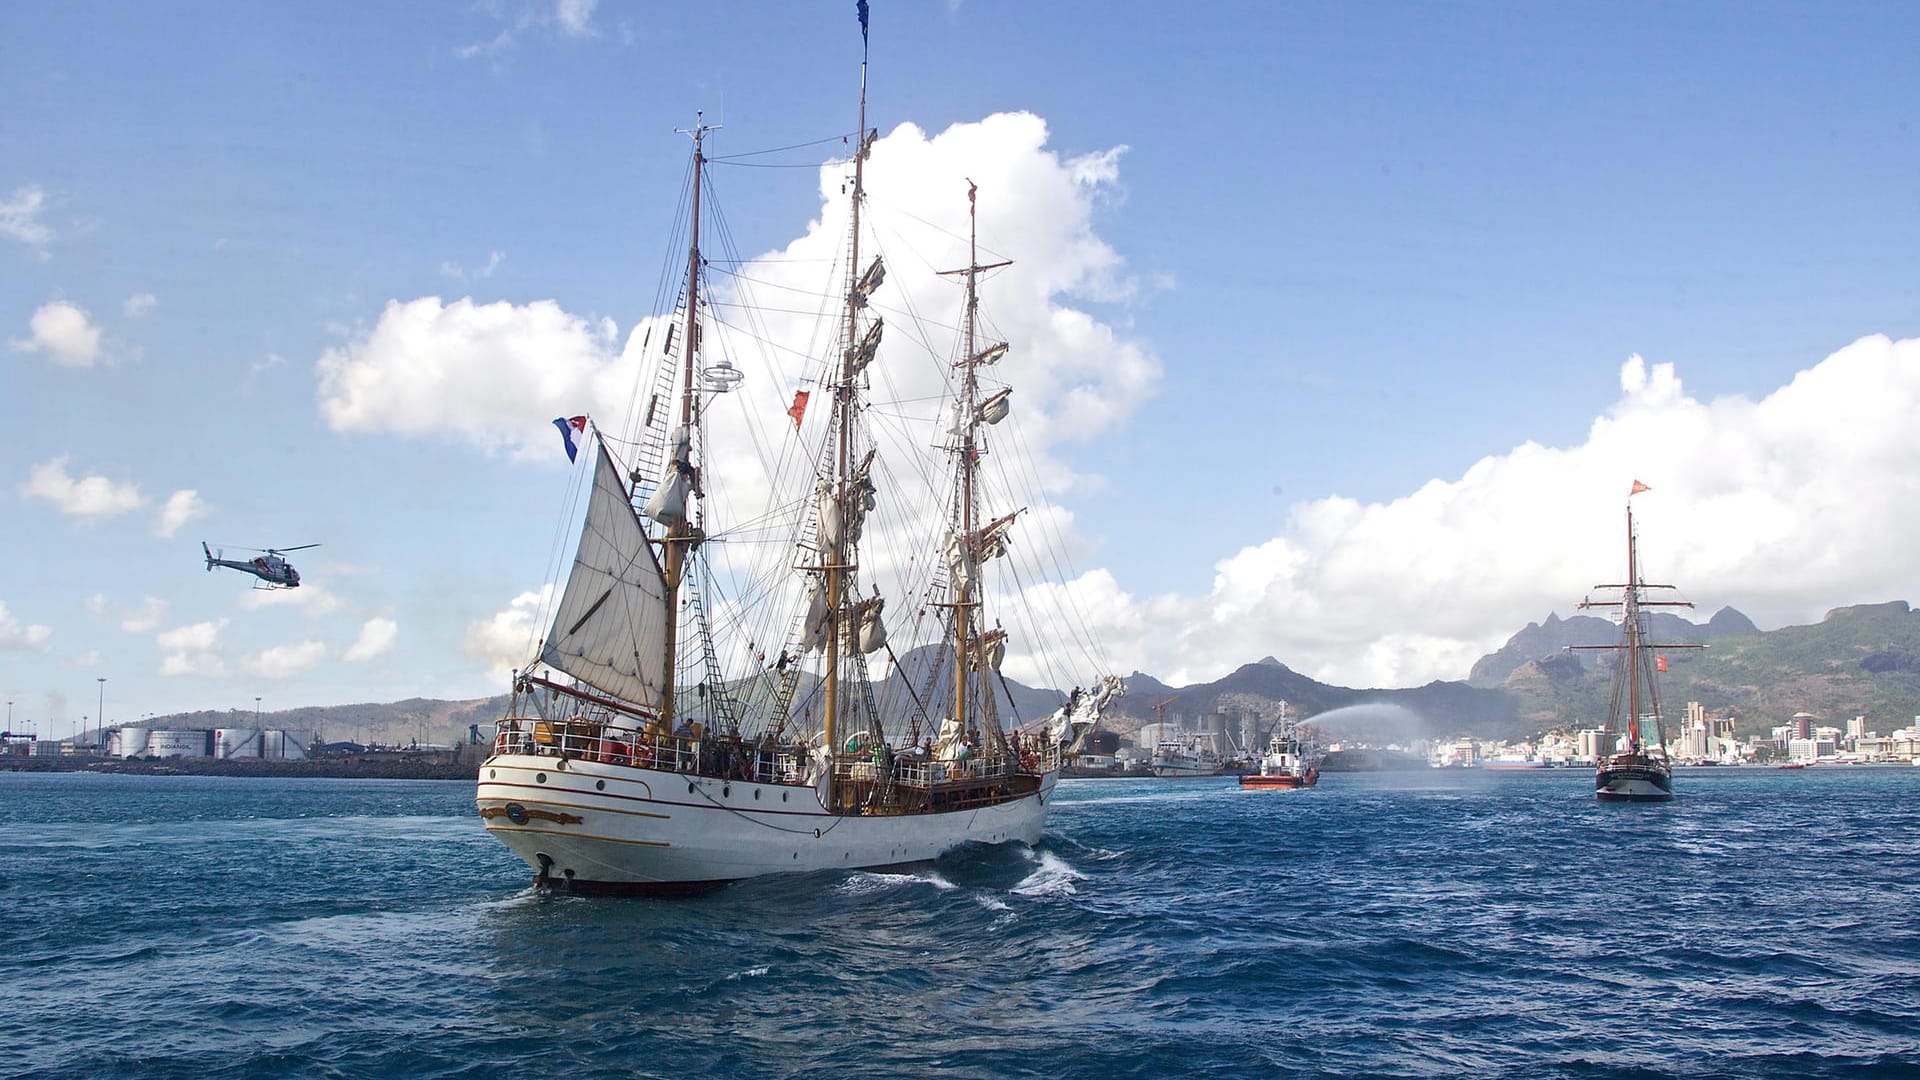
<point x="1659" y="662"/>
<point x="799" y="408"/>
<point x="1638" y="487"/>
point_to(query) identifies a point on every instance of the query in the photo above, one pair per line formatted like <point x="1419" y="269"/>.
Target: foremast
<point x="682" y="532"/>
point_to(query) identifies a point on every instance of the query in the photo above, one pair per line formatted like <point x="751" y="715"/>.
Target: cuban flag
<point x="568" y="425"/>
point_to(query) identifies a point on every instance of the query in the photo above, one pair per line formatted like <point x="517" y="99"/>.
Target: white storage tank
<point x="1152" y="735"/>
<point x="177" y="744"/>
<point x="236" y="742"/>
<point x="284" y="745"/>
<point x="128" y="742"/>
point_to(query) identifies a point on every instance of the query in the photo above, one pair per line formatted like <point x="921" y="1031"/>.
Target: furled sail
<point x="871" y="634"/>
<point x="989" y="355"/>
<point x="813" y="631"/>
<point x="668" y="506"/>
<point x="995" y="408"/>
<point x="863" y="353"/>
<point x="991" y="541"/>
<point x="842" y="520"/>
<point x="869" y="281"/>
<point x="611" y="626"/>
<point x="990" y="649"/>
<point x="960" y="564"/>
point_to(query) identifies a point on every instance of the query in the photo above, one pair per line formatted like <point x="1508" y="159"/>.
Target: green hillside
<point x="1858" y="661"/>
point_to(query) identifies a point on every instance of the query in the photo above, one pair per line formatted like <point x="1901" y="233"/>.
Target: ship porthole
<point x="756" y="793"/>
<point x="689" y="787"/>
<point x="539" y="778"/>
<point x="816" y="834"/>
<point x="727" y="791"/>
<point x="783" y="796"/>
<point x="600" y="785"/>
<point x="491" y="774"/>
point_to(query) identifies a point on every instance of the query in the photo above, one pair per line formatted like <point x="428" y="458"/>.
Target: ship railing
<point x="621" y="744"/>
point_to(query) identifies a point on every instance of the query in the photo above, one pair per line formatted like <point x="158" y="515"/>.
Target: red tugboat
<point x="1287" y="764"/>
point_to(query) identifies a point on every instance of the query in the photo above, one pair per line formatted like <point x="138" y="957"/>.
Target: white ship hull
<point x="1187" y="768"/>
<point x="591" y="827"/>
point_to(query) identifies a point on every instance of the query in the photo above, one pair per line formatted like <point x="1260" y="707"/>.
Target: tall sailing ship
<point x="1633" y="765"/>
<point x="697" y="714"/>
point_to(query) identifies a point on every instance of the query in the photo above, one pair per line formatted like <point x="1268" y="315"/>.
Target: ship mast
<point x="1631" y="599"/>
<point x="838" y="563"/>
<point x="968" y="457"/>
<point x="1633" y="642"/>
<point x="681" y="533"/>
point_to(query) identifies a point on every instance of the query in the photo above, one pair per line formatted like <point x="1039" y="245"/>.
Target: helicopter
<point x="274" y="571"/>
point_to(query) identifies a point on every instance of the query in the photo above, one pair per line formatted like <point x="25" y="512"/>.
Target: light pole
<point x="256" y="711"/>
<point x="101" y="713"/>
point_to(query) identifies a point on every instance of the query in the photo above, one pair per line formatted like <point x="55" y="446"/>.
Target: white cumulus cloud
<point x="496" y="374"/>
<point x="181" y="507"/>
<point x="506" y="640"/>
<point x="569" y="18"/>
<point x="64" y="333"/>
<point x="309" y="599"/>
<point x="92" y="498"/>
<point x="137" y="620"/>
<point x="16" y="636"/>
<point x="284" y="661"/>
<point x="139" y="305"/>
<point x="20" y="216"/>
<point x="192" y="649"/>
<point x="491" y="374"/>
<point x="1782" y="507"/>
<point x="377" y="636"/>
<point x="455" y="270"/>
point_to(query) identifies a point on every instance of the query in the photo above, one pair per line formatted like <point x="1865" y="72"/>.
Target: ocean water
<point x="1443" y="924"/>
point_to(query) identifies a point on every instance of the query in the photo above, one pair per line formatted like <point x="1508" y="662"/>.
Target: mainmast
<point x="681" y="533"/>
<point x="837" y="558"/>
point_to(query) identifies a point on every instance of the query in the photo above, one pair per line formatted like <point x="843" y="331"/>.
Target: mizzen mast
<point x="969" y="541"/>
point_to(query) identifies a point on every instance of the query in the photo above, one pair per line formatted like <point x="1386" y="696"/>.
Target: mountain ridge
<point x="1857" y="660"/>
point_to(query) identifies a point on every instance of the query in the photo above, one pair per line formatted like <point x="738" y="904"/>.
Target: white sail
<point x="813" y="634"/>
<point x="611" y="626"/>
<point x="668" y="506"/>
<point x="872" y="633"/>
<point x="996" y="407"/>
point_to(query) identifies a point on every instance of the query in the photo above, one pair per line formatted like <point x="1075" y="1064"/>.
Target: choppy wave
<point x="1374" y="926"/>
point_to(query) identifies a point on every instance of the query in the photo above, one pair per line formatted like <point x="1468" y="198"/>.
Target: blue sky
<point x="1363" y="258"/>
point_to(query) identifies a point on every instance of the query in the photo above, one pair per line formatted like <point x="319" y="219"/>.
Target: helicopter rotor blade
<point x="283" y="551"/>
